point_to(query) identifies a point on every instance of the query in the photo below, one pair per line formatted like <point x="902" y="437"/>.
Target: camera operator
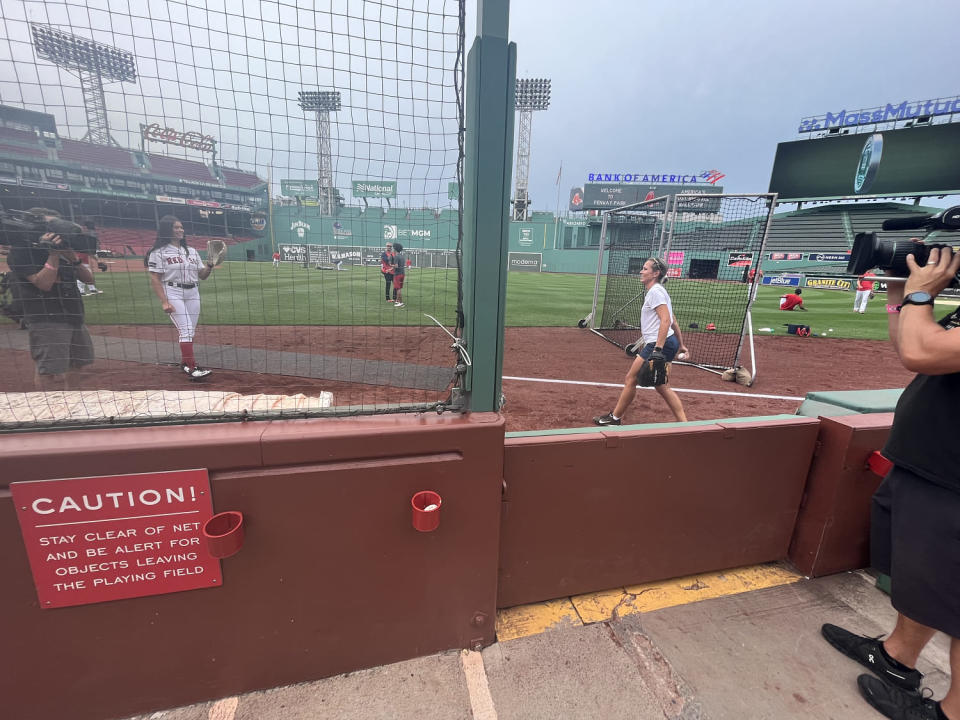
<point x="915" y="518"/>
<point x="45" y="283"/>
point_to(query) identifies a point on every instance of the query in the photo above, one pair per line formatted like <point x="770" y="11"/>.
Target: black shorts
<point x="915" y="539"/>
<point x="59" y="347"/>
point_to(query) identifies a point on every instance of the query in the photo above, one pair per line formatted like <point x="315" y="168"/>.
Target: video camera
<point x="869" y="251"/>
<point x="20" y="228"/>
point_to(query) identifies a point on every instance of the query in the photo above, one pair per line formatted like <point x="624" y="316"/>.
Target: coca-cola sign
<point x="169" y="136"/>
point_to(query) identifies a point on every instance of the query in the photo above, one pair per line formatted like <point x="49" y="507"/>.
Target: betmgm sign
<point x="524" y="262"/>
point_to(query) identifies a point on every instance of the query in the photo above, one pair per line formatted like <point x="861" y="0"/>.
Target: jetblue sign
<point x="707" y="176"/>
<point x="871" y="116"/>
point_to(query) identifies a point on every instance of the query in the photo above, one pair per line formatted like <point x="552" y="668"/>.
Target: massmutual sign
<point x="889" y="113"/>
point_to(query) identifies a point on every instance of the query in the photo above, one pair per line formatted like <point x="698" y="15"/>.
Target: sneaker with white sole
<point x="399" y="304"/>
<point x="867" y="651"/>
<point x="195" y="373"/>
<point x="607" y="419"/>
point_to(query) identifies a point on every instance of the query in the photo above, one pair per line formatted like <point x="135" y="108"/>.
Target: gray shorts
<point x="58" y="347"/>
<point x="915" y="539"/>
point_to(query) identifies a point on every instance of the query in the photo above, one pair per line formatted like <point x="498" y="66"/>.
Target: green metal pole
<point x="490" y="84"/>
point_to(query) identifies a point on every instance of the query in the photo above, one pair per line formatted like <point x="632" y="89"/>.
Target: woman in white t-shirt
<point x="661" y="343"/>
<point x="175" y="271"/>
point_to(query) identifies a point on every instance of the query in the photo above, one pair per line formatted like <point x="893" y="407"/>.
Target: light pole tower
<point x="93" y="63"/>
<point x="531" y="94"/>
<point x="323" y="102"/>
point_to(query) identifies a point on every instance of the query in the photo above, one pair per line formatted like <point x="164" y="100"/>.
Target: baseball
<point x="681" y="356"/>
<point x="430" y="507"/>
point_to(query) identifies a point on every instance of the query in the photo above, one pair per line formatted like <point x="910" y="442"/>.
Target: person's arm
<point x="45" y="279"/>
<point x="157" y="284"/>
<point x="676" y="331"/>
<point x="206" y="271"/>
<point x="664" y="314"/>
<point x="924" y="345"/>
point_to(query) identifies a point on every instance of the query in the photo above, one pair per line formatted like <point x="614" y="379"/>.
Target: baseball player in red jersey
<point x="864" y="291"/>
<point x="175" y="274"/>
<point x="792" y="301"/>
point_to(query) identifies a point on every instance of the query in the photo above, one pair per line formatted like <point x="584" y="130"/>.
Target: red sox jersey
<point x="176" y="264"/>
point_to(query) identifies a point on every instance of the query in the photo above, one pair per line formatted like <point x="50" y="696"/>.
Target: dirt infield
<point x="787" y="366"/>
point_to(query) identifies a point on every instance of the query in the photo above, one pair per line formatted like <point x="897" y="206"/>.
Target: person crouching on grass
<point x="399" y="273"/>
<point x="661" y="343"/>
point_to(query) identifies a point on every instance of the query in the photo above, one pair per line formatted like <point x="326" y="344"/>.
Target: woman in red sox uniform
<point x="175" y="273"/>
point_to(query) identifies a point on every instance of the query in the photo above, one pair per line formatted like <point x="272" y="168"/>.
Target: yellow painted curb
<point x="601" y="606"/>
<point x="524" y="620"/>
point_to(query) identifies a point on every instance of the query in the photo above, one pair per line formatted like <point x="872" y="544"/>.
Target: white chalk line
<point x="679" y="390"/>
<point x="481" y="702"/>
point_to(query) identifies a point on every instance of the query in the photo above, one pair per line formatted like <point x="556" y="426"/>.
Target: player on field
<point x="864" y="292"/>
<point x="792" y="301"/>
<point x="661" y="343"/>
<point x="175" y="271"/>
<point x="276" y="259"/>
<point x="400" y="263"/>
<point x="386" y="269"/>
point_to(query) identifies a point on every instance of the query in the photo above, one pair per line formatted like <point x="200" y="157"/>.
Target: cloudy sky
<point x="638" y="86"/>
<point x="703" y="84"/>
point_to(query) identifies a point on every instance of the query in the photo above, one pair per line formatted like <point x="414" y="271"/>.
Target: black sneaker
<point x="866" y="651"/>
<point x="895" y="702"/>
<point x="607" y="419"/>
<point x="195" y="373"/>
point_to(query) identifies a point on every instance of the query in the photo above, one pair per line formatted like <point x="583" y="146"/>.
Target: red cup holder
<point x="426" y="510"/>
<point x="224" y="533"/>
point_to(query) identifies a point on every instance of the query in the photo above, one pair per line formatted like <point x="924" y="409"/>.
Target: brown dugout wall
<point x="833" y="527"/>
<point x="332" y="576"/>
<point x="604" y="509"/>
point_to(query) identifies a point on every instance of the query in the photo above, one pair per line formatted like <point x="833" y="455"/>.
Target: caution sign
<point x="98" y="539"/>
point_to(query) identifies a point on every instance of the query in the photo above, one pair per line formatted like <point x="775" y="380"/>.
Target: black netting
<point x="304" y="136"/>
<point x="711" y="245"/>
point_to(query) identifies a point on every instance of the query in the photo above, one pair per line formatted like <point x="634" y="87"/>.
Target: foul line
<point x="475" y="674"/>
<point x="679" y="390"/>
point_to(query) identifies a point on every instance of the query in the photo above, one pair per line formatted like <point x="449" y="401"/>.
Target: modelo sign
<point x="524" y="262"/>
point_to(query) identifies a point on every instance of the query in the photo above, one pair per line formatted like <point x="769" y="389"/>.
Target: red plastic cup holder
<point x="426" y="510"/>
<point x="224" y="533"/>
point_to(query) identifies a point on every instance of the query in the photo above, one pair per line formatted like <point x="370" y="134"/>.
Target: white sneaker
<point x="399" y="304"/>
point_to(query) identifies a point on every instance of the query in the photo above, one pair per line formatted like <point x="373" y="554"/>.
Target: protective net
<point x="227" y="177"/>
<point x="712" y="245"/>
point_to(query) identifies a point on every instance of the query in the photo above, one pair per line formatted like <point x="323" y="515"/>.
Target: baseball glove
<point x="654" y="371"/>
<point x="872" y="295"/>
<point x="216" y="251"/>
<point x="103" y="266"/>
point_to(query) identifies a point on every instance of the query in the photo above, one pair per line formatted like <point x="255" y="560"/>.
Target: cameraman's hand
<point x="940" y="270"/>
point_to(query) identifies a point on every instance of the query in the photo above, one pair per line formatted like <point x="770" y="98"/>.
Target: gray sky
<point x="637" y="85"/>
<point x="703" y="84"/>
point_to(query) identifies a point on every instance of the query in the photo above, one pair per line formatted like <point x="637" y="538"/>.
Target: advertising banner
<point x="300" y="188"/>
<point x="376" y="188"/>
<point x="98" y="539"/>
<point x="524" y="262"/>
<point x="829" y="257"/>
<point x="828" y="283"/>
<point x="675" y="257"/>
<point x="787" y="280"/>
<point x="740" y="259"/>
<point x="607" y="196"/>
<point x="908" y="162"/>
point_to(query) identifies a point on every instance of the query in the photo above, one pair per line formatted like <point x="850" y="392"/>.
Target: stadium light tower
<point x="94" y="63"/>
<point x="323" y="102"/>
<point x="532" y="94"/>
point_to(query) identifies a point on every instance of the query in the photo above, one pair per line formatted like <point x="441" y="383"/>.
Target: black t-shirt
<point x="923" y="438"/>
<point x="399" y="264"/>
<point x="61" y="303"/>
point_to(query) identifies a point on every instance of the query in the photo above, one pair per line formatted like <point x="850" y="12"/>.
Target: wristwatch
<point x="917" y="298"/>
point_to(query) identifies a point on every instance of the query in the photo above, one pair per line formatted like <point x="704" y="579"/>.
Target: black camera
<point x="20" y="228"/>
<point x="890" y="255"/>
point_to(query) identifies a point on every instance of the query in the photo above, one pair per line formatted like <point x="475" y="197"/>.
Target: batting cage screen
<point x="217" y="210"/>
<point x="711" y="245"/>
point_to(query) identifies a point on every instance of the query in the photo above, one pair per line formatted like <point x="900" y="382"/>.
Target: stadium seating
<point x="822" y="229"/>
<point x="93" y="155"/>
<point x="22" y="150"/>
<point x="181" y="169"/>
<point x="238" y="178"/>
<point x="22" y="136"/>
<point x="121" y="240"/>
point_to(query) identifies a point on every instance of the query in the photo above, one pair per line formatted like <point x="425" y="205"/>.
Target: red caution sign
<point x="98" y="539"/>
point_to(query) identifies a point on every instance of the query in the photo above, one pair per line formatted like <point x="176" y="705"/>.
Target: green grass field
<point x="259" y="294"/>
